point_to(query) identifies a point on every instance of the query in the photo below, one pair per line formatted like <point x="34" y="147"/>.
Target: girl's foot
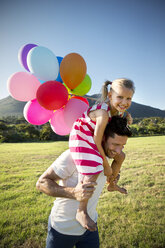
<point x="86" y="222"/>
<point x="115" y="187"/>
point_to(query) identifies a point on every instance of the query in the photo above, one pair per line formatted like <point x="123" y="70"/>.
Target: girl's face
<point x="120" y="98"/>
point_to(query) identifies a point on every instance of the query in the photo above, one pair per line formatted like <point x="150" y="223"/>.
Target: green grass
<point x="134" y="220"/>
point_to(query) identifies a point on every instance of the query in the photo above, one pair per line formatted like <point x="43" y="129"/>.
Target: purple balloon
<point x="22" y="55"/>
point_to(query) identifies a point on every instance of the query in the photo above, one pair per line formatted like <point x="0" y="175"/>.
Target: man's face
<point x="114" y="146"/>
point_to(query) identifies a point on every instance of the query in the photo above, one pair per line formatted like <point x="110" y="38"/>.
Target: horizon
<point x="91" y="99"/>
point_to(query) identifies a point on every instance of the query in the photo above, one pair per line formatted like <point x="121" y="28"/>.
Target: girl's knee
<point x="90" y="178"/>
<point x="123" y="156"/>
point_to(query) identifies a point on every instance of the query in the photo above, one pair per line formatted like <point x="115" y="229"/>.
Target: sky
<point x="116" y="38"/>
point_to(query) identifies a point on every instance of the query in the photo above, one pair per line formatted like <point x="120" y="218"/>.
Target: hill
<point x="12" y="107"/>
<point x="138" y="110"/>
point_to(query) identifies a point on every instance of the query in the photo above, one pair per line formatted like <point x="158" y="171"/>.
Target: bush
<point x="18" y="130"/>
<point x="149" y="126"/>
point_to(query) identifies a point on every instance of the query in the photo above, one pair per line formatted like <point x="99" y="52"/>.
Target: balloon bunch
<point x="52" y="86"/>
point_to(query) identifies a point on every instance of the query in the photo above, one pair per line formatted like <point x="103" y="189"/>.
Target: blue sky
<point x="117" y="38"/>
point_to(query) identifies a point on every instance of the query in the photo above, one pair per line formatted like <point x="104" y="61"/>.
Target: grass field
<point x="134" y="220"/>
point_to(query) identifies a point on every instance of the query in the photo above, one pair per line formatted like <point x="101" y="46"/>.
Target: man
<point x="64" y="231"/>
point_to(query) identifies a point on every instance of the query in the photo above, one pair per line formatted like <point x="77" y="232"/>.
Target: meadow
<point x="133" y="220"/>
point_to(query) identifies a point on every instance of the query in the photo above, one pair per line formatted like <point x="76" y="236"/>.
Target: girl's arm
<point x="101" y="117"/>
<point x="129" y="118"/>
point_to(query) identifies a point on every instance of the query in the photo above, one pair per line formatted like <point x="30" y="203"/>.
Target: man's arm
<point x="47" y="183"/>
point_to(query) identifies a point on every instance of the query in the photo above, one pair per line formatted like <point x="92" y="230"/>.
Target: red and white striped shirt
<point x="83" y="149"/>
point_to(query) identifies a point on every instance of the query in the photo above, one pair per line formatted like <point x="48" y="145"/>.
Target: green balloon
<point x="83" y="87"/>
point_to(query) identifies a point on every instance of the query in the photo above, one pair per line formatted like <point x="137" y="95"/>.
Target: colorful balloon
<point x="35" y="114"/>
<point x="73" y="110"/>
<point x="41" y="81"/>
<point x="83" y="87"/>
<point x="73" y="70"/>
<point x="52" y="95"/>
<point x="82" y="99"/>
<point x="23" y="86"/>
<point x="58" y="125"/>
<point x="22" y="55"/>
<point x="69" y="91"/>
<point x="43" y="63"/>
<point x="59" y="79"/>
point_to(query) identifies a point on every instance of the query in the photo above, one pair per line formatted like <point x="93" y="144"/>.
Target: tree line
<point x="14" y="129"/>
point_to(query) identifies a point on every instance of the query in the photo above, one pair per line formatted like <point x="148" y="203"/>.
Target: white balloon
<point x="43" y="63"/>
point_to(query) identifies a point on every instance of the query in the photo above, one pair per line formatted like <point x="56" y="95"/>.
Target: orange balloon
<point x="73" y="70"/>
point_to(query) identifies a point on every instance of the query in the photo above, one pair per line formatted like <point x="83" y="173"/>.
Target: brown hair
<point x="117" y="125"/>
<point x="127" y="83"/>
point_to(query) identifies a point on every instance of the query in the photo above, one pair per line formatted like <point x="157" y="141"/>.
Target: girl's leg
<point x="116" y="166"/>
<point x="82" y="215"/>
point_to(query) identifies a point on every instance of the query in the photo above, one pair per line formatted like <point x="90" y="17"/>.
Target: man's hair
<point x="117" y="125"/>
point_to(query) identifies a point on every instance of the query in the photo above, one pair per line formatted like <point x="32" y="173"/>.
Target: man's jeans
<point x="59" y="240"/>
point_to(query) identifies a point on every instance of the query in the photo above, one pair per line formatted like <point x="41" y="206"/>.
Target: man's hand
<point x="108" y="173"/>
<point x="47" y="184"/>
<point x="84" y="191"/>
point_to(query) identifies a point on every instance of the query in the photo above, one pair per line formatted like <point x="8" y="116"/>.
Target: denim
<point x="59" y="240"/>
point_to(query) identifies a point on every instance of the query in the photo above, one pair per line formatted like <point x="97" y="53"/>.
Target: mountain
<point x="12" y="107"/>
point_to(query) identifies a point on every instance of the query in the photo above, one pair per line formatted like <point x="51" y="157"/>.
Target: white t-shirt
<point x="63" y="213"/>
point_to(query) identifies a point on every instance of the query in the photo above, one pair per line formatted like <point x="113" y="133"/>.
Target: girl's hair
<point x="127" y="83"/>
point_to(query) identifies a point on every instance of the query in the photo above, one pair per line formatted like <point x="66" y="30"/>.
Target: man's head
<point x="115" y="136"/>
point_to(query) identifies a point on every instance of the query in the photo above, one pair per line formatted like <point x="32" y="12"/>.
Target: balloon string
<point x="88" y="97"/>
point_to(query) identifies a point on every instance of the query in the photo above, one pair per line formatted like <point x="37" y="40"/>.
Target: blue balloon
<point x="59" y="79"/>
<point x="59" y="59"/>
<point x="41" y="81"/>
<point x="43" y="63"/>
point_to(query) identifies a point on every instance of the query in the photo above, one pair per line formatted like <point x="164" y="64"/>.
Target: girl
<point x="85" y="141"/>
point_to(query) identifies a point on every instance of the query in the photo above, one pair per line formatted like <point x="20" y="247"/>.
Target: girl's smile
<point x="120" y="99"/>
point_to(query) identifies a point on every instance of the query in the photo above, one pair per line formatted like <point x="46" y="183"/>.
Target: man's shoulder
<point x="65" y="158"/>
<point x="64" y="164"/>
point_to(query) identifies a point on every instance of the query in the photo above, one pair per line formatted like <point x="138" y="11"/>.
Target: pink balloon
<point x="23" y="86"/>
<point x="58" y="124"/>
<point x="35" y="114"/>
<point x="73" y="110"/>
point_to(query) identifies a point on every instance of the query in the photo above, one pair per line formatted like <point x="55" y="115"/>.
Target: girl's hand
<point x="129" y="118"/>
